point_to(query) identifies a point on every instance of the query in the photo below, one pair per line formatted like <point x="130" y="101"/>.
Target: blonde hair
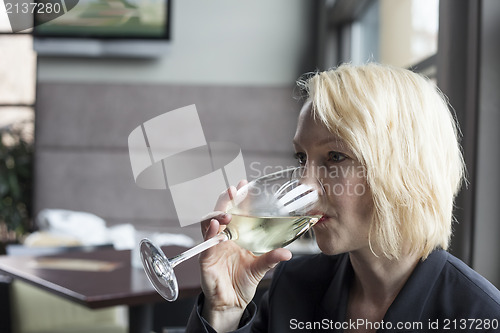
<point x="399" y="126"/>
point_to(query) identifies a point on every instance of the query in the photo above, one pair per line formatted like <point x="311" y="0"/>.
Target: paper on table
<point x="75" y="264"/>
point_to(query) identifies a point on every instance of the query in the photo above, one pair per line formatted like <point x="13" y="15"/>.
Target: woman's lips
<point x="323" y="218"/>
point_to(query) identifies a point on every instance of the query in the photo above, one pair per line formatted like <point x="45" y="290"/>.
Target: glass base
<point x="159" y="270"/>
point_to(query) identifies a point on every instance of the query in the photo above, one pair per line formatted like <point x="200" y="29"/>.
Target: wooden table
<point x="123" y="285"/>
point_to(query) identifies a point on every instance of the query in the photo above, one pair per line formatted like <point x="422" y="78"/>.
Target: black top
<point x="310" y="294"/>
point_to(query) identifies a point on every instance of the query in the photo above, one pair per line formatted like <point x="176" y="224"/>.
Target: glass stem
<point x="223" y="236"/>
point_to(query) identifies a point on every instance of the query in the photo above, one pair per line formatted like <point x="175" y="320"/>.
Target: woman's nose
<point x="309" y="176"/>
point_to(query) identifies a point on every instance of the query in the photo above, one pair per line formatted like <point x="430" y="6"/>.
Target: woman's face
<point x="347" y="205"/>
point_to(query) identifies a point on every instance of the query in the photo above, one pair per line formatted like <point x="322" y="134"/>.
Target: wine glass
<point x="267" y="213"/>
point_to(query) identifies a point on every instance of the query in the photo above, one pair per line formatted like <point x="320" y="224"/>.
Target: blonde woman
<point x="384" y="145"/>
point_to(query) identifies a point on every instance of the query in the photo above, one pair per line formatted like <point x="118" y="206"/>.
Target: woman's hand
<point x="230" y="274"/>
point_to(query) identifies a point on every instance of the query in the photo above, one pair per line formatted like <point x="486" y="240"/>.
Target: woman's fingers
<point x="213" y="229"/>
<point x="221" y="217"/>
<point x="242" y="183"/>
<point x="225" y="198"/>
<point x="268" y="260"/>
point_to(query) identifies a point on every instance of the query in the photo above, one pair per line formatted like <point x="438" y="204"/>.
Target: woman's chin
<point x="326" y="246"/>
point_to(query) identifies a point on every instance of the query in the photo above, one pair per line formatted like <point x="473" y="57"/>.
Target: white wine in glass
<point x="265" y="233"/>
<point x="267" y="213"/>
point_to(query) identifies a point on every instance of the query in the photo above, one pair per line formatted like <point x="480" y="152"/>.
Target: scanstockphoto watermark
<point x="25" y="15"/>
<point x="335" y="180"/>
<point x="358" y="324"/>
<point x="443" y="324"/>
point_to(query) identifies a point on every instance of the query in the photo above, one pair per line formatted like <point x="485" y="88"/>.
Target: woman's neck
<point x="378" y="279"/>
<point x="377" y="282"/>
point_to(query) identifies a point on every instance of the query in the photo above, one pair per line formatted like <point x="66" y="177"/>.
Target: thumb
<point x="269" y="260"/>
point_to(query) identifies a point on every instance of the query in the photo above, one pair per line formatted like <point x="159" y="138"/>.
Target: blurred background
<point x="73" y="89"/>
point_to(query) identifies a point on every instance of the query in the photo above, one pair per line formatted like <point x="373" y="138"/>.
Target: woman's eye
<point x="301" y="158"/>
<point x="336" y="157"/>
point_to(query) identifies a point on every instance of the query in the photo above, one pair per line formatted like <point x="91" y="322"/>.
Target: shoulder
<point x="462" y="291"/>
<point x="477" y="285"/>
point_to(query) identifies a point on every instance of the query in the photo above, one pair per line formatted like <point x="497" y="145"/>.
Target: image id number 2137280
<point x="34" y="7"/>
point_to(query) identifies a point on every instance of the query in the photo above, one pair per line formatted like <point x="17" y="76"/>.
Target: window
<point x="409" y="34"/>
<point x="17" y="99"/>
<point x="402" y="33"/>
<point x="18" y="72"/>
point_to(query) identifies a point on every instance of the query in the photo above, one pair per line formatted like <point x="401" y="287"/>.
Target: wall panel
<point x="82" y="158"/>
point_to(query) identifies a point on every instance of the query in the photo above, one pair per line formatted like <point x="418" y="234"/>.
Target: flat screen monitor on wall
<point x="102" y="27"/>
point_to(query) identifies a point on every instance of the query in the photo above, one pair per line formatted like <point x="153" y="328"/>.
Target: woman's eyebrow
<point x="325" y="141"/>
<point x="331" y="140"/>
